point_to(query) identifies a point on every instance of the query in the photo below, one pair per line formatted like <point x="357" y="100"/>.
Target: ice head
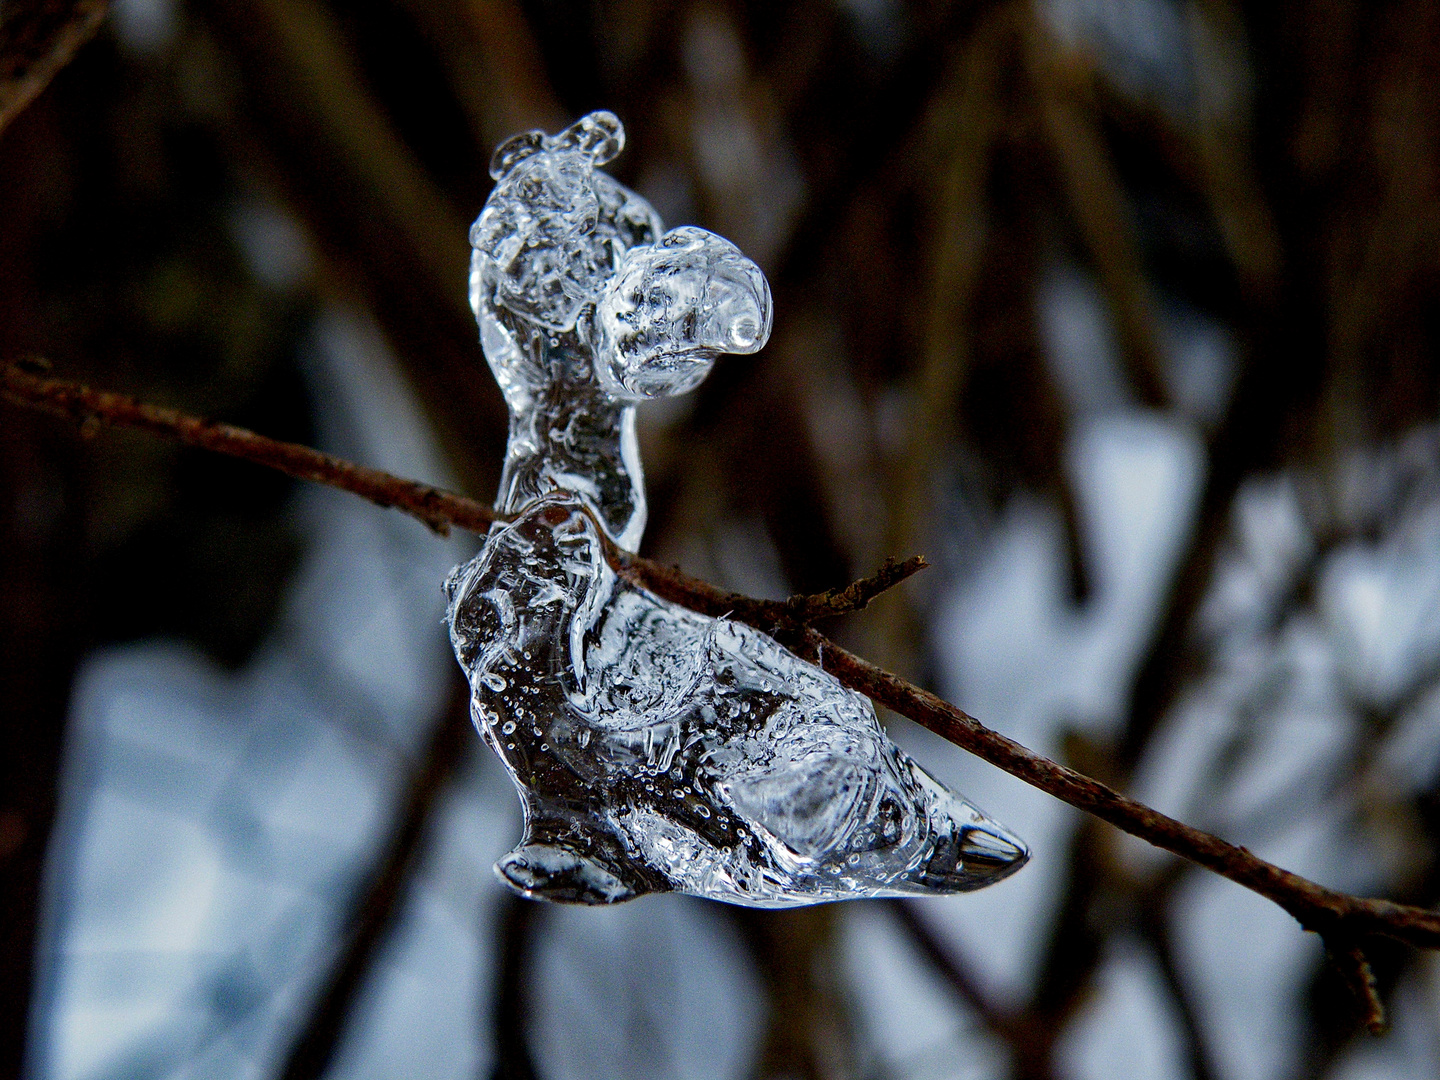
<point x="673" y="307"/>
<point x="587" y="306"/>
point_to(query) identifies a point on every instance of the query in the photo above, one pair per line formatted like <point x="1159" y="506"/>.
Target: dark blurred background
<point x="1124" y="312"/>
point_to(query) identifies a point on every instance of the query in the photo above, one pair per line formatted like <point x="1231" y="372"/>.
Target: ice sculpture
<point x="654" y="749"/>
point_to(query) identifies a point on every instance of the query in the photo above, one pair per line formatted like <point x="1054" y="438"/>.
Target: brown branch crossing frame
<point x="1342" y="920"/>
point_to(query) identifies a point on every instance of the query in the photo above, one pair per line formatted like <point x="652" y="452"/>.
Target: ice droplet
<point x="585" y="307"/>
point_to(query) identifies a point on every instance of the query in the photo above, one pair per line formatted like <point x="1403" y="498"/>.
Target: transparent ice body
<point x="654" y="749"/>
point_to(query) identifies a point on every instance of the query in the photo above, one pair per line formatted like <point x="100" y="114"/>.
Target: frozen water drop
<point x="587" y="306"/>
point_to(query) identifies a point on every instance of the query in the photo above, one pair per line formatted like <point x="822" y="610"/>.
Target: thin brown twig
<point x="436" y="508"/>
<point x="36" y="41"/>
<point x="1354" y="966"/>
<point x="1324" y="911"/>
<point x="1336" y="916"/>
<point x="25" y="385"/>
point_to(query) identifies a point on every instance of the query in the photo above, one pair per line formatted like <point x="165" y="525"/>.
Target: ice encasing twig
<point x="655" y="748"/>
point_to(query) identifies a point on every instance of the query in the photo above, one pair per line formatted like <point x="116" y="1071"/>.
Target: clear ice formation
<point x="654" y="749"/>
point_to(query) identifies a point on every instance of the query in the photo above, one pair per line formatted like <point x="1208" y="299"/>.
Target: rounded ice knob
<point x="673" y="307"/>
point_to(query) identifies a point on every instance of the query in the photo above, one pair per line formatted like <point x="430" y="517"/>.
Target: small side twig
<point x="856" y="596"/>
<point x="791" y="614"/>
<point x="1354" y="966"/>
<point x="1334" y="915"/>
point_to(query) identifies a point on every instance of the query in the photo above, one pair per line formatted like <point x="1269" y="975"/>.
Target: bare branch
<point x="1336" y="916"/>
<point x="23" y="385"/>
<point x="1317" y="908"/>
<point x="36" y="41"/>
<point x="436" y="508"/>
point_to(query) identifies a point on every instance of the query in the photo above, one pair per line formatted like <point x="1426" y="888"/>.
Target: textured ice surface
<point x="654" y="749"/>
<point x="657" y="749"/>
<point x="586" y="308"/>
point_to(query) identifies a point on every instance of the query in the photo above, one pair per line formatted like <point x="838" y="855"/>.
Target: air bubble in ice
<point x="587" y="306"/>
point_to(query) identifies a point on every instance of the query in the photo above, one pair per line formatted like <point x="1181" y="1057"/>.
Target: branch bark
<point x="89" y="408"/>
<point x="1341" y="919"/>
<point x="36" y="41"/>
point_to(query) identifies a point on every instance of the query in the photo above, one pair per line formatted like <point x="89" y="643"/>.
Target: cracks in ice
<point x="654" y="749"/>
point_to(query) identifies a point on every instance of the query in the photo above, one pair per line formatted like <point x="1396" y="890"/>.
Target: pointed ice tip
<point x="992" y="852"/>
<point x="975" y="854"/>
<point x="547" y="872"/>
